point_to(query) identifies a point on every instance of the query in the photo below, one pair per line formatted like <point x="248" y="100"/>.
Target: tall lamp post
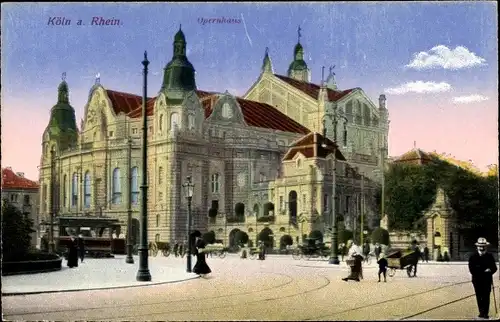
<point x="143" y="274"/>
<point x="188" y="190"/>
<point x="129" y="259"/>
<point x="52" y="199"/>
<point x="334" y="257"/>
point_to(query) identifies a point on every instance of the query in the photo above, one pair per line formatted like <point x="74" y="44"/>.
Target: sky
<point x="437" y="63"/>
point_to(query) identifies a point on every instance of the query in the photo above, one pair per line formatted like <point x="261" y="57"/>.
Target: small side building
<point x="22" y="193"/>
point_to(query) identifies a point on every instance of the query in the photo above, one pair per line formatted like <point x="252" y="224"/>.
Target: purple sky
<point x="436" y="62"/>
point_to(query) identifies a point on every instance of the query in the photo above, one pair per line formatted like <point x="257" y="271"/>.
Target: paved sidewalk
<point x="95" y="274"/>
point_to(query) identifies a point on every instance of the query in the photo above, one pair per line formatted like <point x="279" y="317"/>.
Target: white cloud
<point x="419" y="87"/>
<point x="443" y="57"/>
<point x="470" y="99"/>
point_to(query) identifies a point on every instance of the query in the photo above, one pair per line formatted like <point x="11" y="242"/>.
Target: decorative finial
<point x="63" y="77"/>
<point x="180" y="27"/>
<point x="145" y="55"/>
<point x="267" y="51"/>
<point x="322" y="74"/>
<point x="98" y="78"/>
<point x="298" y="31"/>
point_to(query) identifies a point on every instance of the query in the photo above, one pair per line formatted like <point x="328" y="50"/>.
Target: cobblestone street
<point x="274" y="289"/>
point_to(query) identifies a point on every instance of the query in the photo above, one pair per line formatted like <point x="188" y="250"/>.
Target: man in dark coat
<point x="426" y="254"/>
<point x="73" y="253"/>
<point x="482" y="267"/>
<point x="81" y="247"/>
<point x="176" y="249"/>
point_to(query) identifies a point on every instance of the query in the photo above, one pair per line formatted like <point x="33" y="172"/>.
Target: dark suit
<point x="482" y="280"/>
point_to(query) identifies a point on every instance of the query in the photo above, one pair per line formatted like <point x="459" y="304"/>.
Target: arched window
<point x="174" y="121"/>
<point x="65" y="190"/>
<point x="74" y="190"/>
<point x="157" y="220"/>
<point x="135" y="186"/>
<point x="86" y="190"/>
<point x="215" y="183"/>
<point x="160" y="124"/>
<point x="191" y="121"/>
<point x="116" y="187"/>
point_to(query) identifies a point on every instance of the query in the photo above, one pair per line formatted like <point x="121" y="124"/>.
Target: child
<point x="382" y="266"/>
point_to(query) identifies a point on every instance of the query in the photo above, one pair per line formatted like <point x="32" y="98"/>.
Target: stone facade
<point x="232" y="147"/>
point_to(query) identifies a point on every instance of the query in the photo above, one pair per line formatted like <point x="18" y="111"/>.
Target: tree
<point x="16" y="230"/>
<point x="316" y="234"/>
<point x="240" y="237"/>
<point x="286" y="240"/>
<point x="380" y="236"/>
<point x="209" y="237"/>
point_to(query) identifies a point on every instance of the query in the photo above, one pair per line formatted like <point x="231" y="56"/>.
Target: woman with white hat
<point x="482" y="267"/>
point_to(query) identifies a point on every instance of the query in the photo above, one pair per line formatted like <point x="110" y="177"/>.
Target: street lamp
<point x="129" y="259"/>
<point x="188" y="191"/>
<point x="334" y="258"/>
<point x="52" y="199"/>
<point x="143" y="274"/>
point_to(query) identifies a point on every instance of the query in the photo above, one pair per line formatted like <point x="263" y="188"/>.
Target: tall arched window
<point x="160" y="124"/>
<point x="174" y="121"/>
<point x="191" y="121"/>
<point x="65" y="190"/>
<point x="157" y="220"/>
<point x="215" y="183"/>
<point x="135" y="186"/>
<point x="86" y="190"/>
<point x="74" y="190"/>
<point x="117" y="189"/>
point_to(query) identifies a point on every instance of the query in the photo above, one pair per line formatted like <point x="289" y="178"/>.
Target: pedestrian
<point x="382" y="267"/>
<point x="426" y="254"/>
<point x="416" y="250"/>
<point x="354" y="255"/>
<point x="176" y="249"/>
<point x="366" y="251"/>
<point x="344" y="250"/>
<point x="81" y="247"/>
<point x="72" y="253"/>
<point x="377" y="251"/>
<point x="262" y="248"/>
<point x="482" y="267"/>
<point x="201" y="267"/>
<point x="181" y="250"/>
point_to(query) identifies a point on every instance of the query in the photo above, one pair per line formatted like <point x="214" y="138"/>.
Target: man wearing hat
<point x="482" y="267"/>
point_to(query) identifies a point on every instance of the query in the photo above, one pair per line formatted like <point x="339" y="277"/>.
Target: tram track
<point x="333" y="314"/>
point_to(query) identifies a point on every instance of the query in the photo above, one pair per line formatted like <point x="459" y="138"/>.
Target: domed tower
<point x="61" y="132"/>
<point x="298" y="68"/>
<point x="178" y="76"/>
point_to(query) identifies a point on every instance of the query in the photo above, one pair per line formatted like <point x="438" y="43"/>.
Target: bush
<point x="212" y="213"/>
<point x="316" y="234"/>
<point x="268" y="206"/>
<point x="240" y="237"/>
<point x="381" y="236"/>
<point x="286" y="240"/>
<point x="209" y="237"/>
<point x="16" y="230"/>
<point x="344" y="236"/>
<point x="239" y="209"/>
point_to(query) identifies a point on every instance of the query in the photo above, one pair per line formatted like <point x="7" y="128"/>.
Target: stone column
<point x="430" y="236"/>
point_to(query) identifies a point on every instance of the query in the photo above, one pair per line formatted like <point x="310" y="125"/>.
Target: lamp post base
<point x="129" y="259"/>
<point x="143" y="275"/>
<point x="334" y="261"/>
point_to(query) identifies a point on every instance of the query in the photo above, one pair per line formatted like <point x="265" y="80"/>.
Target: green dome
<point x="62" y="124"/>
<point x="179" y="75"/>
<point x="298" y="48"/>
<point x="179" y="36"/>
<point x="298" y="65"/>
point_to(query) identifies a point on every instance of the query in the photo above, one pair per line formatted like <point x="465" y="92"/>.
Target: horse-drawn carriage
<point x="217" y="249"/>
<point x="155" y="247"/>
<point x="400" y="260"/>
<point x="312" y="248"/>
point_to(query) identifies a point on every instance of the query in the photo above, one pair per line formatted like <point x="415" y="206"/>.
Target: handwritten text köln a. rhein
<point x="95" y="21"/>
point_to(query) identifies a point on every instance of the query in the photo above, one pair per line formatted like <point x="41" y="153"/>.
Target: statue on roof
<point x="98" y="78"/>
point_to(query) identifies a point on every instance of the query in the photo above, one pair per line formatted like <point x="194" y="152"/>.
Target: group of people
<point x="76" y="249"/>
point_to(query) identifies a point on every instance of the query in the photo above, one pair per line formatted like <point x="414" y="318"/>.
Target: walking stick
<point x="494" y="297"/>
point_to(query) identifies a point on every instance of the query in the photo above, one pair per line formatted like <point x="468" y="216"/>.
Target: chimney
<point x="20" y="174"/>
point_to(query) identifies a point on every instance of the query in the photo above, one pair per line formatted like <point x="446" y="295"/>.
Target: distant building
<point x="241" y="152"/>
<point x="22" y="193"/>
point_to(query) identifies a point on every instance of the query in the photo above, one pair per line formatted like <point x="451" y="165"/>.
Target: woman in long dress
<point x="73" y="253"/>
<point x="356" y="273"/>
<point x="201" y="267"/>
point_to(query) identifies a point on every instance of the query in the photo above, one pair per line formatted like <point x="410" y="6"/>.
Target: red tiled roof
<point x="123" y="102"/>
<point x="313" y="89"/>
<point x="311" y="146"/>
<point x="10" y="180"/>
